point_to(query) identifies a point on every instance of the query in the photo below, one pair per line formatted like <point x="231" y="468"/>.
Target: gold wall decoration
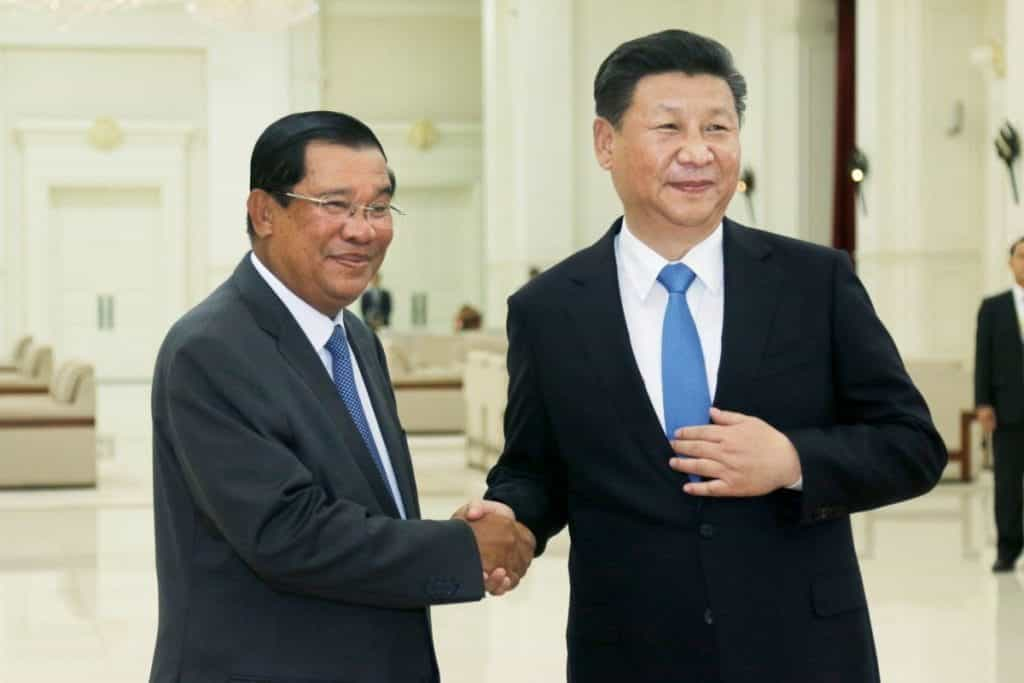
<point x="424" y="134"/>
<point x="106" y="134"/>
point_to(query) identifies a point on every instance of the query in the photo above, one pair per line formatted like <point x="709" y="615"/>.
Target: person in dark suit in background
<point x="703" y="552"/>
<point x="375" y="305"/>
<point x="999" y="398"/>
<point x="289" y="543"/>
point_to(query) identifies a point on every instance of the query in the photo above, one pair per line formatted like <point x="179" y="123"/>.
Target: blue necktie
<point x="684" y="381"/>
<point x="345" y="383"/>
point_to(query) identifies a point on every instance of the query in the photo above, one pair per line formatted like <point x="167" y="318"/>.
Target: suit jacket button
<point x="709" y="616"/>
<point x="706" y="530"/>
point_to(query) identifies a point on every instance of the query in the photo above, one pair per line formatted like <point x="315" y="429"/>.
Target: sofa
<point x="33" y="373"/>
<point x="17" y="353"/>
<point x="49" y="440"/>
<point x="427" y="376"/>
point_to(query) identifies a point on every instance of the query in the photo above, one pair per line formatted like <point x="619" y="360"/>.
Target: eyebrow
<point x="716" y="111"/>
<point x="347" y="191"/>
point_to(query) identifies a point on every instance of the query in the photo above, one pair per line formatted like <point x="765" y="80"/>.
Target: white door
<point x="107" y="295"/>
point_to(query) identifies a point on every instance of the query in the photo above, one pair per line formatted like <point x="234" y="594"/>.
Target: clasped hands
<point x="737" y="455"/>
<point x="506" y="546"/>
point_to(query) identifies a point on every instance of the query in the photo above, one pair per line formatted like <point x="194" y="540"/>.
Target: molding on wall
<point x="969" y="256"/>
<point x="458" y="9"/>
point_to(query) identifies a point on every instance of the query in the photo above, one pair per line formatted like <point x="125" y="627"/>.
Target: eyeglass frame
<point x="326" y="205"/>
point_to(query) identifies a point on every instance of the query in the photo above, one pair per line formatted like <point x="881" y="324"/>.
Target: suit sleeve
<point x="530" y="475"/>
<point x="245" y="481"/>
<point x="983" y="394"/>
<point x="883" y="447"/>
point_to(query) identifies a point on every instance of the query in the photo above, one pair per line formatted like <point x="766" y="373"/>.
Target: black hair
<point x="657" y="53"/>
<point x="1013" y="247"/>
<point x="279" y="156"/>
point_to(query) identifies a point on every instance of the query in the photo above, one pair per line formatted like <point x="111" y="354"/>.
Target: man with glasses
<point x="288" y="534"/>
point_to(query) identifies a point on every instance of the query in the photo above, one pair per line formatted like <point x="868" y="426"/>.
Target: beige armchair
<point x="33" y="373"/>
<point x="486" y="387"/>
<point x="49" y="440"/>
<point x="427" y="376"/>
<point x="17" y="353"/>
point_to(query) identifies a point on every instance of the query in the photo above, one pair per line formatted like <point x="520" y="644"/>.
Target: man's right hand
<point x="987" y="417"/>
<point x="506" y="546"/>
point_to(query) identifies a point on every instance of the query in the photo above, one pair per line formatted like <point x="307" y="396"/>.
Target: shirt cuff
<point x="797" y="486"/>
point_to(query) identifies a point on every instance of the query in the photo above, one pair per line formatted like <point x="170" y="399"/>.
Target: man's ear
<point x="261" y="213"/>
<point x="604" y="142"/>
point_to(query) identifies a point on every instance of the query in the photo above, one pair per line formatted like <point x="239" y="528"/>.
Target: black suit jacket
<point x="280" y="553"/>
<point x="669" y="587"/>
<point x="375" y="305"/>
<point x="999" y="360"/>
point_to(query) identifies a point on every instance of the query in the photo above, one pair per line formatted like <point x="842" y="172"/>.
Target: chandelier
<point x="251" y="15"/>
<point x="238" y="15"/>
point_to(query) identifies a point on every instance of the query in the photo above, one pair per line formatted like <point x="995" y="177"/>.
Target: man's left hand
<point x="738" y="455"/>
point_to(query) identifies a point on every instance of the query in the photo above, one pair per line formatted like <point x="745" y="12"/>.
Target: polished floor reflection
<point x="78" y="593"/>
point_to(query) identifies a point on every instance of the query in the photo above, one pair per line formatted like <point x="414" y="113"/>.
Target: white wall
<point x="140" y="67"/>
<point x="920" y="247"/>
<point x="394" y="64"/>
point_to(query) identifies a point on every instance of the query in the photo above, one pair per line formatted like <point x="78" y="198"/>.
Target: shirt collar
<point x="643" y="264"/>
<point x="317" y="327"/>
<point x="1018" y="293"/>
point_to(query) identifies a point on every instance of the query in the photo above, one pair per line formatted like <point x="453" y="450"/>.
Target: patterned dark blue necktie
<point x="684" y="381"/>
<point x="345" y="383"/>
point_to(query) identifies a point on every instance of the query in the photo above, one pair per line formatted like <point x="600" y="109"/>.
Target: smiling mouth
<point x="693" y="186"/>
<point x="351" y="260"/>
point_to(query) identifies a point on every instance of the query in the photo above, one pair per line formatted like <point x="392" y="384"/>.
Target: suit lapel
<point x="596" y="311"/>
<point x="376" y="386"/>
<point x="752" y="287"/>
<point x="294" y="346"/>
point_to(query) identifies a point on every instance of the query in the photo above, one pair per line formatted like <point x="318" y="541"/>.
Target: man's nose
<point x="695" y="152"/>
<point x="357" y="227"/>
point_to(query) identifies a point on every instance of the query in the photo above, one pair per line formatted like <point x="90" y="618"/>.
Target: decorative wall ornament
<point x="858" y="170"/>
<point x="746" y="186"/>
<point x="106" y="134"/>
<point x="991" y="58"/>
<point x="1008" y="149"/>
<point x="424" y="134"/>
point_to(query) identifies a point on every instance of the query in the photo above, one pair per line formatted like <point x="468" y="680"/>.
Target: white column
<point x="528" y="133"/>
<point x="249" y="88"/>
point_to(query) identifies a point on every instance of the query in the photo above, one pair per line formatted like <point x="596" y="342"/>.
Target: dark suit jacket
<point x="669" y="587"/>
<point x="999" y="360"/>
<point x="375" y="305"/>
<point x="280" y="553"/>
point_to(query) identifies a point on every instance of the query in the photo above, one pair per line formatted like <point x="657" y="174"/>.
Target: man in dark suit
<point x="703" y="552"/>
<point x="288" y="534"/>
<point x="999" y="397"/>
<point x="375" y="305"/>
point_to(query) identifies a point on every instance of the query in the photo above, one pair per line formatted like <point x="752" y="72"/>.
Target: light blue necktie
<point x="684" y="381"/>
<point x="345" y="383"/>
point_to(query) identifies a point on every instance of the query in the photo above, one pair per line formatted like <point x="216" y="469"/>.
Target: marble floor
<point x="78" y="590"/>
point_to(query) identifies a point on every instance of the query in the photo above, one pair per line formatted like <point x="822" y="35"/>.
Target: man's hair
<point x="278" y="160"/>
<point x="1013" y="247"/>
<point x="658" y="53"/>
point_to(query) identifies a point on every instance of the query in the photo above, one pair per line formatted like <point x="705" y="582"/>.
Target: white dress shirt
<point x="644" y="300"/>
<point x="318" y="329"/>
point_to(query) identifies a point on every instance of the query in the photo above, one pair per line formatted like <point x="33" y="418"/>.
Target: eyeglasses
<point x="375" y="214"/>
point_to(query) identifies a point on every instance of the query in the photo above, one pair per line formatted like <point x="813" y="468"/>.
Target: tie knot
<point x="676" y="277"/>
<point x="338" y="342"/>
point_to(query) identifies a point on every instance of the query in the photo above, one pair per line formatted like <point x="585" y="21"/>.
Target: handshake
<point x="506" y="546"/>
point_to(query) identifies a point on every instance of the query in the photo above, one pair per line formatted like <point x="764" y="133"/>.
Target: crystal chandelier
<point x="238" y="15"/>
<point x="252" y="15"/>
<point x="70" y="10"/>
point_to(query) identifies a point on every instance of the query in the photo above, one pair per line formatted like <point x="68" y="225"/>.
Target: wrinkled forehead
<point x="340" y="169"/>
